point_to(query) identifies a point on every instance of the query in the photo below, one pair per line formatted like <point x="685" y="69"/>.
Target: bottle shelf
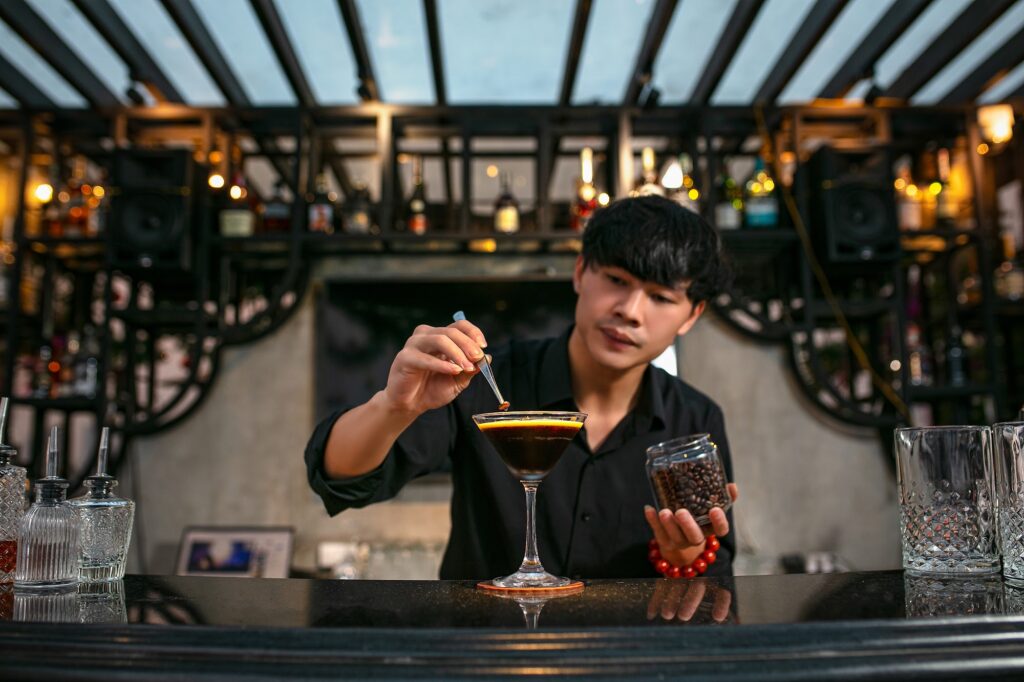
<point x="63" y="404"/>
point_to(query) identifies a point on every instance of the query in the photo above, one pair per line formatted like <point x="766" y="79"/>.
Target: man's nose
<point x="630" y="305"/>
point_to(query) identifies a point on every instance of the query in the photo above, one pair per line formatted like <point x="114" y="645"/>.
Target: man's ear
<point x="577" y="274"/>
<point x="695" y="314"/>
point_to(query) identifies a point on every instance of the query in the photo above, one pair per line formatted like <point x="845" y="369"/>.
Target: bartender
<point x="647" y="269"/>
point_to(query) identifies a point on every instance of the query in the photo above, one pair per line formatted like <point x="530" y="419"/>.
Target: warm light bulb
<point x="895" y="365"/>
<point x="996" y="122"/>
<point x="935" y="188"/>
<point x="98" y="191"/>
<point x="693" y="194"/>
<point x="603" y="198"/>
<point x="769" y="185"/>
<point x="587" y="165"/>
<point x="235" y="192"/>
<point x="43" y="192"/>
<point x="216" y="181"/>
<point x="673" y="176"/>
<point x="911" y="190"/>
<point x="492" y="171"/>
<point x="983" y="149"/>
<point x="900" y="184"/>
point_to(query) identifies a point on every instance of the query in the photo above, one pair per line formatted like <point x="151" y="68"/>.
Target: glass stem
<point x="531" y="562"/>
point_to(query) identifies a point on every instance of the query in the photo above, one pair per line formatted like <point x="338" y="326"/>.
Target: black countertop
<point x="837" y="626"/>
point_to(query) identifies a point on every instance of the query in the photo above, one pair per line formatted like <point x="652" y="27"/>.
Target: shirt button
<point x="586" y="516"/>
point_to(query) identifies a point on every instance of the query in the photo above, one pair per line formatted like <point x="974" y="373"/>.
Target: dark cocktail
<point x="530" y="444"/>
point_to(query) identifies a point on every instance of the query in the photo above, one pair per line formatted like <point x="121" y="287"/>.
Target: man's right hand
<point x="434" y="367"/>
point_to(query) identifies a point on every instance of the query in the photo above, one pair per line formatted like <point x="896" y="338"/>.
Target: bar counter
<point x="882" y="625"/>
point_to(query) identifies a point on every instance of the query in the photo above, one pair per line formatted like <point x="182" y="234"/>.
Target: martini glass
<point x="530" y="444"/>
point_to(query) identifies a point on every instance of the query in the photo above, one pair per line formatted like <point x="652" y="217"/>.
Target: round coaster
<point x="574" y="587"/>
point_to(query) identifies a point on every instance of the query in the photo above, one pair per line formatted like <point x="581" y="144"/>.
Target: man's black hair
<point x="657" y="240"/>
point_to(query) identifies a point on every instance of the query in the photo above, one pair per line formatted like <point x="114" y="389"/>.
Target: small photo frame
<point x="236" y="551"/>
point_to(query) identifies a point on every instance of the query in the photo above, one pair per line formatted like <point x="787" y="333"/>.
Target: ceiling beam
<point x="440" y="88"/>
<point x="364" y="65"/>
<point x="806" y="38"/>
<point x="975" y="18"/>
<point x="655" y="33"/>
<point x="735" y="30"/>
<point x="141" y="66"/>
<point x="886" y="31"/>
<point x="192" y="27"/>
<point x="34" y="30"/>
<point x="572" y="59"/>
<point x="269" y="18"/>
<point x="1002" y="60"/>
<point x="29" y="96"/>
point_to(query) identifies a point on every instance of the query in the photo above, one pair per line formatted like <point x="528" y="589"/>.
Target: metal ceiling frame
<point x="886" y="31"/>
<point x="440" y="86"/>
<point x="369" y="89"/>
<point x="735" y="31"/>
<point x="21" y="88"/>
<point x="815" y="25"/>
<point x="1002" y="60"/>
<point x="970" y="23"/>
<point x="657" y="26"/>
<point x="141" y="65"/>
<point x="34" y="30"/>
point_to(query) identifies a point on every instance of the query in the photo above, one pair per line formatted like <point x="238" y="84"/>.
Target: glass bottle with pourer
<point x="12" y="499"/>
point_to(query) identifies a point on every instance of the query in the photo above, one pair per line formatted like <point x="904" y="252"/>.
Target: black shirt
<point x="590" y="520"/>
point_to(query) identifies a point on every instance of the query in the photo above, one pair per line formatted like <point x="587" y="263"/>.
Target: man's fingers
<point x="694" y="535"/>
<point x="694" y="596"/>
<point x="672" y="531"/>
<point x="472" y="331"/>
<point x="410" y="358"/>
<point x="465" y="342"/>
<point x="719" y="522"/>
<point x="441" y="344"/>
<point x="734" y="492"/>
<point x="659" y="533"/>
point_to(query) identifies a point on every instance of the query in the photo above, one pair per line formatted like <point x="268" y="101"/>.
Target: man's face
<point x="625" y="321"/>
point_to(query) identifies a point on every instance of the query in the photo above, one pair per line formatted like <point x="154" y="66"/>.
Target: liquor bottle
<point x="75" y="210"/>
<point x="586" y="194"/>
<point x="647" y="184"/>
<point x="276" y="211"/>
<point x="97" y="203"/>
<point x="42" y="375"/>
<point x="728" y="202"/>
<point x="1009" y="275"/>
<point x="762" y="205"/>
<point x="320" y="211"/>
<point x="105" y="523"/>
<point x="947" y="207"/>
<point x="956" y="357"/>
<point x="357" y="211"/>
<point x="48" y="533"/>
<point x="921" y="364"/>
<point x="506" y="209"/>
<point x="929" y="187"/>
<point x="908" y="200"/>
<point x="52" y="210"/>
<point x="237" y="218"/>
<point x="12" y="499"/>
<point x="416" y="209"/>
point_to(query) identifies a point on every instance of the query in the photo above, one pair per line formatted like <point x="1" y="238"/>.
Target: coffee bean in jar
<point x="687" y="473"/>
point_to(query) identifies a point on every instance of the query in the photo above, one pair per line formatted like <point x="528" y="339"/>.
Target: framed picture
<point x="236" y="551"/>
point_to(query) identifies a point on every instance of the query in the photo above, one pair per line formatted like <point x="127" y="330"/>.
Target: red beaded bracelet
<point x="700" y="564"/>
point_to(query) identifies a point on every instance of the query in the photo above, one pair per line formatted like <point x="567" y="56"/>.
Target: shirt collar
<point x="556" y="385"/>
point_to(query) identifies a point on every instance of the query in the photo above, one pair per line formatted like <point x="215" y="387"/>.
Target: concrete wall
<point x="806" y="485"/>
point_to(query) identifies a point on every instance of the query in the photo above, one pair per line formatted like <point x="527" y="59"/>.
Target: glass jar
<point x="687" y="473"/>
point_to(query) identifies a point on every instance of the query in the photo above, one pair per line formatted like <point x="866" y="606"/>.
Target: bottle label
<point x="762" y="212"/>
<point x="236" y="223"/>
<point x="321" y="218"/>
<point x="726" y="216"/>
<point x="418" y="223"/>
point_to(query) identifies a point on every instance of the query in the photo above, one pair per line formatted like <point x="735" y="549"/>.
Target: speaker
<point x="153" y="210"/>
<point x="851" y="206"/>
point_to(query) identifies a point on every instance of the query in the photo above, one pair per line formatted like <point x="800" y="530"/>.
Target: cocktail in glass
<point x="530" y="444"/>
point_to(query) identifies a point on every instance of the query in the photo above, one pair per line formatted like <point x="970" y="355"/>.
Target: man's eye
<point x="662" y="299"/>
<point x="615" y="280"/>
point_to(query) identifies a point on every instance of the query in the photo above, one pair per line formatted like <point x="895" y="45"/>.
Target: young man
<point x="646" y="271"/>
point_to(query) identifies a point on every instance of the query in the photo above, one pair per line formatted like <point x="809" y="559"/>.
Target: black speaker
<point x="153" y="210"/>
<point x="851" y="206"/>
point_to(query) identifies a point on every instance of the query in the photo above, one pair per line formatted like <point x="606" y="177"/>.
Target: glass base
<point x="523" y="580"/>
